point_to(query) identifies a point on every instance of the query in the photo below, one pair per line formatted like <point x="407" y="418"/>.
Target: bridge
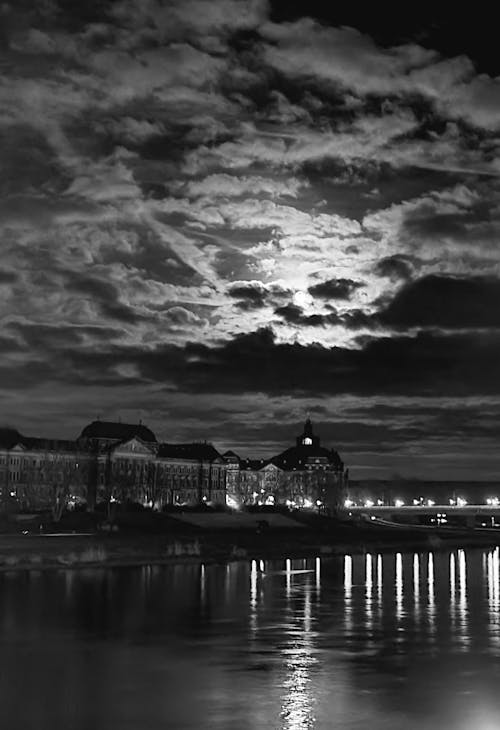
<point x="470" y="515"/>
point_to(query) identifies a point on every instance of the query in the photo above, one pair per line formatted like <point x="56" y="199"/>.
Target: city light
<point x="461" y="502"/>
<point x="348" y="503"/>
<point x="430" y="503"/>
<point x="308" y="503"/>
<point x="492" y="501"/>
<point x="232" y="502"/>
<point x="368" y="503"/>
<point x="399" y="503"/>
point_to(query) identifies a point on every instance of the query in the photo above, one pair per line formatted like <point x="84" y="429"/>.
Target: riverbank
<point x="72" y="550"/>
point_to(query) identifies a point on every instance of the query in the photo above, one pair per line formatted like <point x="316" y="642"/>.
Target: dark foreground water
<point x="394" y="641"/>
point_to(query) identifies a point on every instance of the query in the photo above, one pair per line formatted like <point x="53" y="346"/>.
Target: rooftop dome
<point x="297" y="457"/>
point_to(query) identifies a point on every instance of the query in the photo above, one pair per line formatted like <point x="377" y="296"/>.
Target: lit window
<point x="307" y="441"/>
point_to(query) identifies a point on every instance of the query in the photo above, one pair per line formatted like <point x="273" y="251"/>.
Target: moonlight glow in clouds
<point x="218" y="216"/>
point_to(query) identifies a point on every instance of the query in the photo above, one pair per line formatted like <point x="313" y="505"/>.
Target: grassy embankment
<point x="159" y="538"/>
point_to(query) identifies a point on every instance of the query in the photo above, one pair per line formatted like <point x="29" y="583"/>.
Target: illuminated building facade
<point x="108" y="462"/>
<point x="305" y="475"/>
<point x="125" y="463"/>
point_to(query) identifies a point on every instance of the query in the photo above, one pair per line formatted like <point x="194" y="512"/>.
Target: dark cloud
<point x="429" y="223"/>
<point x="8" y="277"/>
<point x="335" y="289"/>
<point x="426" y="365"/>
<point x="9" y="344"/>
<point x="54" y="338"/>
<point x="395" y="267"/>
<point x="447" y="302"/>
<point x="295" y="315"/>
<point x="251" y="295"/>
<point x="357" y="319"/>
<point x="105" y="296"/>
<point x="28" y="162"/>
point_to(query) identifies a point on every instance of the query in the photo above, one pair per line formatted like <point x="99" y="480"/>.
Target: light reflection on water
<point x="395" y="640"/>
<point x="297" y="698"/>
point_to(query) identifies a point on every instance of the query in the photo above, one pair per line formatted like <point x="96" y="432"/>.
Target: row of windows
<point x="120" y="463"/>
<point x="172" y="468"/>
<point x="27" y="463"/>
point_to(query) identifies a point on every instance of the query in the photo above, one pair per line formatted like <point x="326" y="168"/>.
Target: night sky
<point x="219" y="217"/>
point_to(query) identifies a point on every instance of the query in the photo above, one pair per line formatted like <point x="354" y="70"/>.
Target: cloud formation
<point x="234" y="198"/>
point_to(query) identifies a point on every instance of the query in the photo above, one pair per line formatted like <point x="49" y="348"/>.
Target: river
<point x="395" y="641"/>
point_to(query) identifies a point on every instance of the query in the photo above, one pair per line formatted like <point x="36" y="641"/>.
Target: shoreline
<point x="62" y="551"/>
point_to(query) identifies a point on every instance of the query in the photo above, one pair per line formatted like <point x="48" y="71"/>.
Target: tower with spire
<point x="307" y="437"/>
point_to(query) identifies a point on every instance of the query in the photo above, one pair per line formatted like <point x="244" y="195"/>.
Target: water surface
<point x="400" y="640"/>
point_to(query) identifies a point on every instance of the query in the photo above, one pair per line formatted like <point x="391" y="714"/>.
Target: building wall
<point x="37" y="479"/>
<point x="38" y="474"/>
<point x="297" y="488"/>
<point x="156" y="482"/>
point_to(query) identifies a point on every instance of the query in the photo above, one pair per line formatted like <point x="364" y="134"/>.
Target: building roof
<point x="196" y="451"/>
<point x="45" y="444"/>
<point x="117" y="431"/>
<point x="9" y="437"/>
<point x="252" y="464"/>
<point x="297" y="457"/>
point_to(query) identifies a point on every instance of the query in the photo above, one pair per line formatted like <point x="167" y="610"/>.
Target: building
<point x="122" y="462"/>
<point x="108" y="462"/>
<point x="191" y="474"/>
<point x="305" y="475"/>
